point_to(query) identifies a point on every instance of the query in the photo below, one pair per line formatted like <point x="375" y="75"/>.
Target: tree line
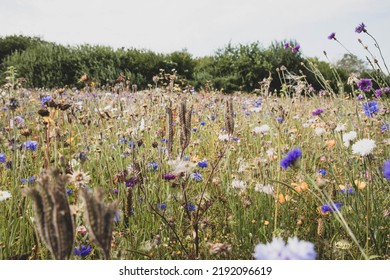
<point x="231" y="68"/>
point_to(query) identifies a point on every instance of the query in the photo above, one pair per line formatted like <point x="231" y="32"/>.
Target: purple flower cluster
<point x="365" y="84"/>
<point x="291" y="158"/>
<point x="360" y="28"/>
<point x="168" y="176"/>
<point x="131" y="182"/>
<point x="317" y="112"/>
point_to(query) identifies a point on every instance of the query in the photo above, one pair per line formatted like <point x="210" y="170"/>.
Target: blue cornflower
<point x="152" y="165"/>
<point x="236" y="139"/>
<point x="163" y="140"/>
<point x="3" y="158"/>
<point x="29" y="180"/>
<point x="196" y="176"/>
<point x="279" y="119"/>
<point x="247" y="114"/>
<point x="364" y="84"/>
<point x="291" y="158"/>
<point x="195" y="129"/>
<point x="331" y="208"/>
<point x="122" y="141"/>
<point x="162" y="206"/>
<point x="203" y="163"/>
<point x="384" y="127"/>
<point x="386" y="169"/>
<point x="83" y="251"/>
<point x="213" y="118"/>
<point x="322" y="172"/>
<point x="190" y="207"/>
<point x="46" y="99"/>
<point x="202" y="123"/>
<point x="69" y="192"/>
<point x="347" y="191"/>
<point x="30" y="145"/>
<point x="82" y="156"/>
<point x="370" y="108"/>
<point x="360" y="28"/>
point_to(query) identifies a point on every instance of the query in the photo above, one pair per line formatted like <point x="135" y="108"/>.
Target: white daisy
<point x="363" y="147"/>
<point x="348" y="137"/>
<point x="223" y="137"/>
<point x="238" y="184"/>
<point x="267" y="189"/>
<point x="261" y="129"/>
<point x="4" y="195"/>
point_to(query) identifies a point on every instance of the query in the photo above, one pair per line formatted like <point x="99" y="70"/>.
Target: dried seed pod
<point x="229" y="121"/>
<point x="99" y="219"/>
<point x="52" y="214"/>
<point x="320" y="227"/>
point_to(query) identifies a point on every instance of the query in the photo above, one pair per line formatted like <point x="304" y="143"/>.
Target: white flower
<point x="223" y="137"/>
<point x="238" y="184"/>
<point x="4" y="195"/>
<point x="341" y="127"/>
<point x="261" y="129"/>
<point x="267" y="189"/>
<point x="348" y="137"/>
<point x="363" y="147"/>
<point x="181" y="166"/>
<point x="255" y="109"/>
<point x="295" y="249"/>
<point x="319" y="131"/>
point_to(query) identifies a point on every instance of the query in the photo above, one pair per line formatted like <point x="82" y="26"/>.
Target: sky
<point x="202" y="26"/>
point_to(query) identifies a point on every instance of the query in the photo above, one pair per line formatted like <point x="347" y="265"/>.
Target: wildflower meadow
<point x="174" y="172"/>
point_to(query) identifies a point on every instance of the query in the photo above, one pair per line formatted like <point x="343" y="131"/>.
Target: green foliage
<point x="10" y="44"/>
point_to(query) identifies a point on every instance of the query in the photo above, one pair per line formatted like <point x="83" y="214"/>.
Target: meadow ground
<point x="193" y="175"/>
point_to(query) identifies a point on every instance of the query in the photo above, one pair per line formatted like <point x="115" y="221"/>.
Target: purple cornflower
<point x="3" y="158"/>
<point x="291" y="158"/>
<point x="162" y="206"/>
<point x="378" y="92"/>
<point x="331" y="208"/>
<point x="203" y="163"/>
<point x="152" y="165"/>
<point x="365" y="84"/>
<point x="279" y="119"/>
<point x="386" y="169"/>
<point x="202" y="123"/>
<point x="360" y="97"/>
<point x="332" y="36"/>
<point x="384" y="127"/>
<point x="213" y="118"/>
<point x="190" y="207"/>
<point x="370" y="108"/>
<point x="286" y="46"/>
<point x="46" y="99"/>
<point x="360" y="28"/>
<point x="83" y="251"/>
<point x="168" y="176"/>
<point x="196" y="176"/>
<point x="296" y="48"/>
<point x="317" y="112"/>
<point x="30" y="145"/>
<point x="131" y="182"/>
<point x="195" y="129"/>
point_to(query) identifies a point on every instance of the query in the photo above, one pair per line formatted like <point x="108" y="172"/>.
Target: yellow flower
<point x="360" y="184"/>
<point x="330" y="143"/>
<point x="300" y="186"/>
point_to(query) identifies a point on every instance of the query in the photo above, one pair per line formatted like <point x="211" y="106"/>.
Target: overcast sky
<point x="201" y="26"/>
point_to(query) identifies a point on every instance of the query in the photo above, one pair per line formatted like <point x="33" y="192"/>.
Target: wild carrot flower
<point x="360" y="28"/>
<point x="5" y="195"/>
<point x="386" y="169"/>
<point x="363" y="147"/>
<point x="365" y="84"/>
<point x="294" y="249"/>
<point x="82" y="251"/>
<point x="370" y="108"/>
<point x="291" y="158"/>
